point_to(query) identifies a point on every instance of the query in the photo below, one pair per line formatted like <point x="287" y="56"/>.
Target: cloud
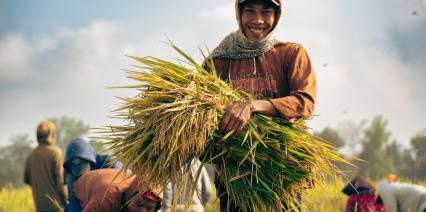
<point x="367" y="71"/>
<point x="410" y="42"/>
<point x="15" y="57"/>
<point x="68" y="75"/>
<point x="71" y="69"/>
<point x="366" y="46"/>
<point x="88" y="54"/>
<point x="81" y="54"/>
<point x="223" y="12"/>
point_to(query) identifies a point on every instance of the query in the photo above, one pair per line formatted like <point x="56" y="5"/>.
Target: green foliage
<point x="13" y="156"/>
<point x="381" y="155"/>
<point x="331" y="135"/>
<point x="406" y="168"/>
<point x="400" y="160"/>
<point x="12" y="160"/>
<point x="393" y="150"/>
<point x="67" y="129"/>
<point x="376" y="138"/>
<point x="418" y="143"/>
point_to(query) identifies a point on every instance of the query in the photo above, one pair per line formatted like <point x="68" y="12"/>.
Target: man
<point x="398" y="196"/>
<point x="363" y="197"/>
<point x="279" y="75"/>
<point x="112" y="190"/>
<point x="44" y="172"/>
<point x="80" y="158"/>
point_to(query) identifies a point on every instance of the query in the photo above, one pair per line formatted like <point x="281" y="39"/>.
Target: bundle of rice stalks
<point x="175" y="118"/>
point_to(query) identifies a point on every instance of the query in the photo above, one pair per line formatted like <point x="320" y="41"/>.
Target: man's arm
<point x="58" y="175"/>
<point x="206" y="187"/>
<point x="237" y="115"/>
<point x="300" y="102"/>
<point x="389" y="200"/>
<point x="166" y="203"/>
<point x="302" y="84"/>
<point x="27" y="172"/>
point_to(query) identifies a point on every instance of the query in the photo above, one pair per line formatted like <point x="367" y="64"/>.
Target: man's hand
<point x="236" y="117"/>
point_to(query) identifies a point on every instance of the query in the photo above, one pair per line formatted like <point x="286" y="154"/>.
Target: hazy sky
<point x="58" y="57"/>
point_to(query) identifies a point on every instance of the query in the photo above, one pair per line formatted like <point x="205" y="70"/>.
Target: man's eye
<point x="267" y="12"/>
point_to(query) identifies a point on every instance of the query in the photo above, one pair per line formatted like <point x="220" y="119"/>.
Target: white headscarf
<point x="237" y="46"/>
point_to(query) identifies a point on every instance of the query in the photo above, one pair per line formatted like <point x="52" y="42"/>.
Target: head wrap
<point x="237" y="46"/>
<point x="79" y="148"/>
<point x="46" y="133"/>
<point x="392" y="178"/>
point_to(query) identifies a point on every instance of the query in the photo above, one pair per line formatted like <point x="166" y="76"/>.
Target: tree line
<point x="375" y="153"/>
<point x="370" y="141"/>
<point x="12" y="156"/>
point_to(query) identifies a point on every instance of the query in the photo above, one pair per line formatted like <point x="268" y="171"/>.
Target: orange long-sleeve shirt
<point x="284" y="75"/>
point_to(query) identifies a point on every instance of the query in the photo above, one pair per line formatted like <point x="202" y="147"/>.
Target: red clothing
<point x="363" y="203"/>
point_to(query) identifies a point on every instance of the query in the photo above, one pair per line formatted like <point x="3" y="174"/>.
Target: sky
<point x="58" y="57"/>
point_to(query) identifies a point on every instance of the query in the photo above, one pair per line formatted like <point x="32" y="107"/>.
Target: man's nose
<point x="258" y="18"/>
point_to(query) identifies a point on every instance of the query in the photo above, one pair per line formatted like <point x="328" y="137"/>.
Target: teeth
<point x="256" y="30"/>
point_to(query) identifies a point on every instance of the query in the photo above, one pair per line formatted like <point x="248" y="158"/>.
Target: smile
<point x="257" y="30"/>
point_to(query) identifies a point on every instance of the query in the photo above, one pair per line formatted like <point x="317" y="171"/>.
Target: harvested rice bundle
<point x="175" y="118"/>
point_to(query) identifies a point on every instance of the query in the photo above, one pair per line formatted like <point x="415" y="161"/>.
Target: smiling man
<point x="279" y="75"/>
<point x="257" y="20"/>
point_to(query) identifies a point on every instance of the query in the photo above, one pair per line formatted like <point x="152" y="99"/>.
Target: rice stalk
<point x="175" y="118"/>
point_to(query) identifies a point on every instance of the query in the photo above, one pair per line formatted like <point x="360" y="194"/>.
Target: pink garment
<point x="363" y="203"/>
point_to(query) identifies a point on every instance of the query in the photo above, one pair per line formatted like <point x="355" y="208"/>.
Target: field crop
<point x="327" y="198"/>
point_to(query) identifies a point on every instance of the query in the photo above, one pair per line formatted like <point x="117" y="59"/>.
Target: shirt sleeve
<point x="58" y="174"/>
<point x="302" y="84"/>
<point x="27" y="173"/>
<point x="166" y="203"/>
<point x="389" y="200"/>
<point x="206" y="189"/>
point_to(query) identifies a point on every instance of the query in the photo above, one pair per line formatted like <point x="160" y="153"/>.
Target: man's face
<point x="79" y="166"/>
<point x="142" y="205"/>
<point x="257" y="20"/>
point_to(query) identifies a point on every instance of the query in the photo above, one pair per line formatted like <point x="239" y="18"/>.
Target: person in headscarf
<point x="201" y="196"/>
<point x="392" y="178"/>
<point x="279" y="75"/>
<point x="114" y="190"/>
<point x="44" y="171"/>
<point x="81" y="158"/>
<point x="399" y="196"/>
<point x="363" y="197"/>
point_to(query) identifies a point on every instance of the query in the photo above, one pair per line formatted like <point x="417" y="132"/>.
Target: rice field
<point x="327" y="198"/>
<point x="16" y="200"/>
